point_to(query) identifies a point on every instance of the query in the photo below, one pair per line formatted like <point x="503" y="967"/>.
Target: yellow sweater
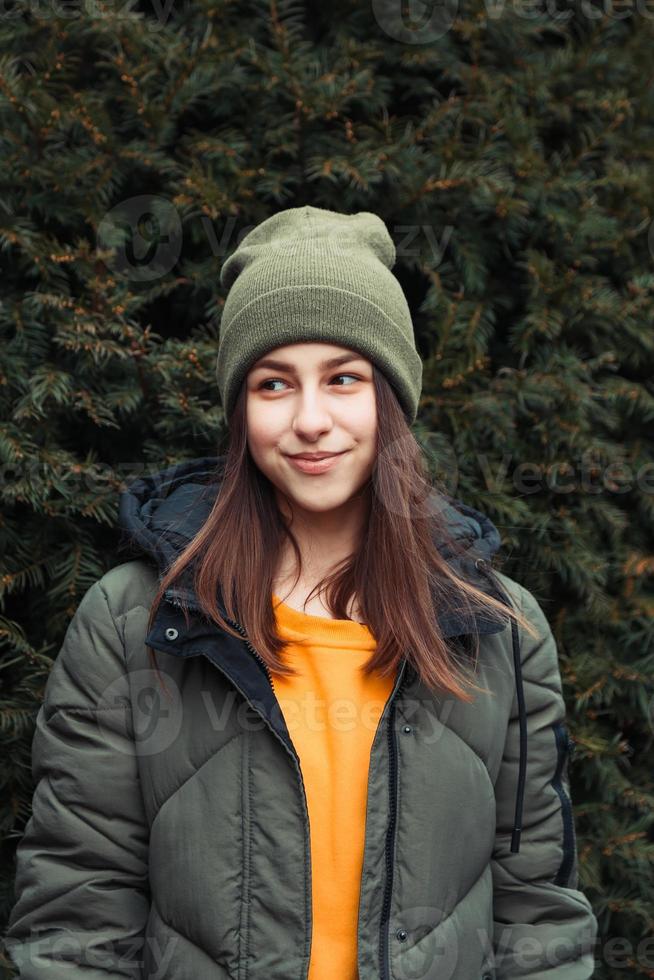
<point x="332" y="711"/>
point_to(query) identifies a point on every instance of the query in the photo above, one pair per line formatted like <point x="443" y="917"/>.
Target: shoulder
<point x="526" y="603"/>
<point x="539" y="654"/>
<point x="92" y="659"/>
<point x="102" y="614"/>
<point x="131" y="585"/>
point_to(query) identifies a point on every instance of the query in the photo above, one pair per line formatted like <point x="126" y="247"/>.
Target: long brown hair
<point x="397" y="575"/>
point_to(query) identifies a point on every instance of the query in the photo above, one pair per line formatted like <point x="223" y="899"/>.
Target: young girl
<point x="306" y="730"/>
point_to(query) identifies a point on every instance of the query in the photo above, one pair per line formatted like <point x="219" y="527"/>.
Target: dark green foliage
<point x="511" y="158"/>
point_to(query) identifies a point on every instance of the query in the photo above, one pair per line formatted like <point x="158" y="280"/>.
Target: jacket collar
<point x="161" y="512"/>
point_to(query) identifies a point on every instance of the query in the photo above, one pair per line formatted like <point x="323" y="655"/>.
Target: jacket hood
<point x="161" y="512"/>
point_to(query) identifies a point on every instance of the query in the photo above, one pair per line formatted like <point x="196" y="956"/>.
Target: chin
<point x="320" y="500"/>
<point x="318" y="496"/>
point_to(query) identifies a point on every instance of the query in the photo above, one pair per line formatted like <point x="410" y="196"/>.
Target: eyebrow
<point x="269" y="362"/>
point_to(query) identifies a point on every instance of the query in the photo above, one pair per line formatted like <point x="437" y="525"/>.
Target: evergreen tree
<point x="509" y="150"/>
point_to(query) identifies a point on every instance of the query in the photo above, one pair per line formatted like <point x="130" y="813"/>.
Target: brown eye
<point x="269" y="381"/>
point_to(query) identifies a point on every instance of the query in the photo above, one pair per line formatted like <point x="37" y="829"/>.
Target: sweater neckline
<point x="323" y="630"/>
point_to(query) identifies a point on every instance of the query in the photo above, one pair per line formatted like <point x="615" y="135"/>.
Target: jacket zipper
<point x="564" y="742"/>
<point x="384" y="927"/>
<point x="243" y="633"/>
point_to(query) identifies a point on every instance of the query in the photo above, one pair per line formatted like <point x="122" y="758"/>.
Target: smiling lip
<point x="315" y="463"/>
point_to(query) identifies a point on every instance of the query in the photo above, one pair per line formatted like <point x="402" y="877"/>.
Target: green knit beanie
<point x="307" y="274"/>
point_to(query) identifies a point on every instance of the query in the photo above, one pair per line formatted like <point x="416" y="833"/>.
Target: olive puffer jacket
<point x="169" y="835"/>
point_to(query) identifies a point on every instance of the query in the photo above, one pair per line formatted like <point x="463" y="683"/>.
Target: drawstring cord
<point x="482" y="565"/>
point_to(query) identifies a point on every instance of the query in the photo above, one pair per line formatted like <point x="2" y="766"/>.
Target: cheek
<point x="264" y="435"/>
<point x="261" y="428"/>
<point x="360" y="418"/>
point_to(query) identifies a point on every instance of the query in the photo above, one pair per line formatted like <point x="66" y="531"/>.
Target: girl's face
<point x="300" y="403"/>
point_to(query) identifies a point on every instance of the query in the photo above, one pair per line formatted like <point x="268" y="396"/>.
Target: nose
<point x="311" y="417"/>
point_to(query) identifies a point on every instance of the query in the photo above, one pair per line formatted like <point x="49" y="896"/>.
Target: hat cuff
<point x="301" y="314"/>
